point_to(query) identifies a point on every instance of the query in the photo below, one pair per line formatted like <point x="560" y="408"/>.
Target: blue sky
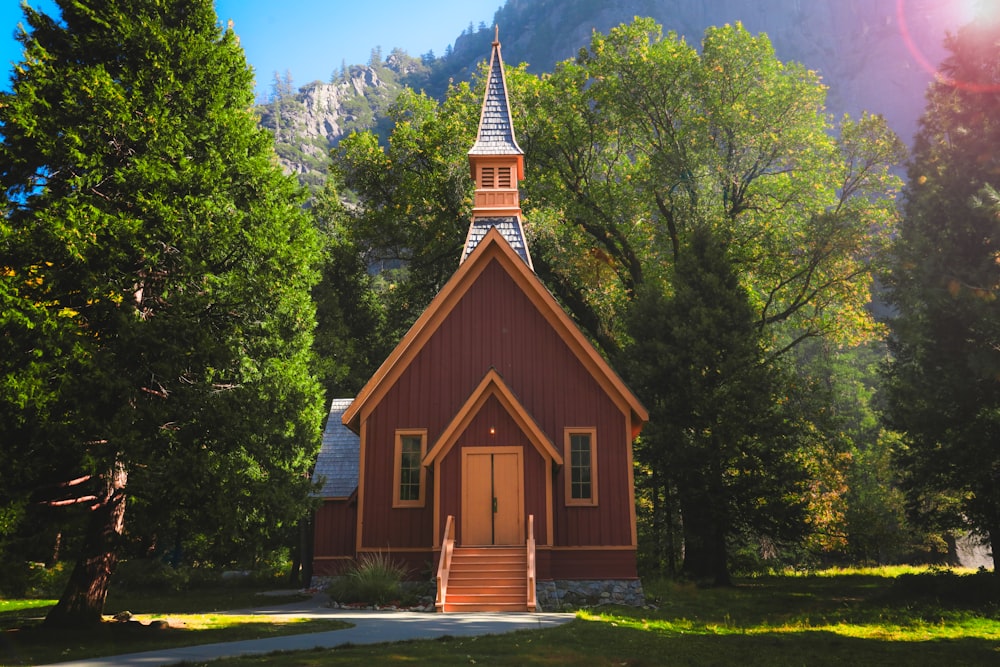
<point x="310" y="38"/>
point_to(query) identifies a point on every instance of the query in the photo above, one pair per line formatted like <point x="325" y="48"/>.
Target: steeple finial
<point x="496" y="35"/>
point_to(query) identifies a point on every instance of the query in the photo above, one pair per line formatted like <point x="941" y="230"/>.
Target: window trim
<point x="568" y="434"/>
<point x="397" y="465"/>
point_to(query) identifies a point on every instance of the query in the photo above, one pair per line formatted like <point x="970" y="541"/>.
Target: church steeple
<point x="497" y="165"/>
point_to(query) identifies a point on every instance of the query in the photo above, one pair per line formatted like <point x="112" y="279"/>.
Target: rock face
<point x="874" y="55"/>
<point x="307" y="123"/>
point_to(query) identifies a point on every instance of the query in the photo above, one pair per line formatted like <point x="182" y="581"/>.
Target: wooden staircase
<point x="487" y="579"/>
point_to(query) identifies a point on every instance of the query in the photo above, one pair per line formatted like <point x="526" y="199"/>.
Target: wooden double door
<point x="492" y="496"/>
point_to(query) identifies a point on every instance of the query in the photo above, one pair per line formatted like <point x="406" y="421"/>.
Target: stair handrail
<point x="532" y="602"/>
<point x="444" y="564"/>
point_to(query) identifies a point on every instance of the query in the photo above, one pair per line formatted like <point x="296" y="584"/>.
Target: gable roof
<point x="496" y="131"/>
<point x="337" y="464"/>
<point x="492" y="385"/>
<point x="493" y="247"/>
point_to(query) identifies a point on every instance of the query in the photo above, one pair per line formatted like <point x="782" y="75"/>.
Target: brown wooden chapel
<point x="493" y="447"/>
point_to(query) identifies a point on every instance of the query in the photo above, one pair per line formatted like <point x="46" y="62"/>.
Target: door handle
<point x="494" y="505"/>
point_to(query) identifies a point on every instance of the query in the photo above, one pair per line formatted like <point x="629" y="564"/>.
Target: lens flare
<point x="983" y="11"/>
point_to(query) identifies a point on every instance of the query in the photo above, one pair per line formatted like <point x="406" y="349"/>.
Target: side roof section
<point x="337" y="464"/>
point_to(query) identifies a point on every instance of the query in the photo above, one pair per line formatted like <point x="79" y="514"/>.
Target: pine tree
<point x="697" y="361"/>
<point x="944" y="392"/>
<point x="155" y="268"/>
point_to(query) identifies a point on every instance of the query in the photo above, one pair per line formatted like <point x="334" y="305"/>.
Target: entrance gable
<point x="536" y="482"/>
<point x="492" y="385"/>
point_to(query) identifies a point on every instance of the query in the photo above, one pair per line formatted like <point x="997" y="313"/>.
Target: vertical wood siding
<point x="496" y="325"/>
<point x="333" y="535"/>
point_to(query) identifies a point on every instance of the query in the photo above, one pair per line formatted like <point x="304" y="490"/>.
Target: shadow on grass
<point x="34" y="644"/>
<point x="600" y="644"/>
<point x="702" y="646"/>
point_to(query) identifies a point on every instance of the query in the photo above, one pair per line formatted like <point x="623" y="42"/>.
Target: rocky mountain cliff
<point x="873" y="55"/>
<point x="307" y="122"/>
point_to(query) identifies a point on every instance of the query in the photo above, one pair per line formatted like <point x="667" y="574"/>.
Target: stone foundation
<point x="560" y="594"/>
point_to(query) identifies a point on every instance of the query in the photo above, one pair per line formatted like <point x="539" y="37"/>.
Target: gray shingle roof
<point x="339" y="456"/>
<point x="508" y="226"/>
<point x="496" y="132"/>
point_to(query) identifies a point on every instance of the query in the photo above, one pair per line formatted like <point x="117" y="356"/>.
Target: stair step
<point x="459" y="578"/>
<point x="485" y="572"/>
<point x="513" y="598"/>
<point x="476" y="606"/>
<point x="487" y="579"/>
<point x="481" y="588"/>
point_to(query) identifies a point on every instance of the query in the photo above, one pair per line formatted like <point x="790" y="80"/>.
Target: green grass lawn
<point x="853" y="619"/>
<point x="190" y="616"/>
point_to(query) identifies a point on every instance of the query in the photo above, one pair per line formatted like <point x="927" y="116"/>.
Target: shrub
<point x="152" y="574"/>
<point x="372" y="579"/>
<point x="47" y="582"/>
<point x="980" y="590"/>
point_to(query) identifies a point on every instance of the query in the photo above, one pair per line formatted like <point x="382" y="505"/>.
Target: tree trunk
<point x="307" y="551"/>
<point x="670" y="512"/>
<point x="705" y="556"/>
<point x="82" y="603"/>
<point x="704" y="514"/>
<point x="658" y="526"/>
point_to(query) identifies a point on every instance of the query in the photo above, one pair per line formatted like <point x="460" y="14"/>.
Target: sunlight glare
<point x="964" y="12"/>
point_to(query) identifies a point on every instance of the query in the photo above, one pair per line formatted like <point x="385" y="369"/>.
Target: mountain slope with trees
<point x="857" y="48"/>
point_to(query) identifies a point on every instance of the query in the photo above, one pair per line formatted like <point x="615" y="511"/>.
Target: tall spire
<point x="497" y="164"/>
<point x="496" y="132"/>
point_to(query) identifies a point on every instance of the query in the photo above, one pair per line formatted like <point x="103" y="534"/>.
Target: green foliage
<point x="373" y="579"/>
<point x="414" y="197"/>
<point x="642" y="139"/>
<point x="155" y="269"/>
<point x="697" y="360"/>
<point x="946" y="588"/>
<point x="635" y="147"/>
<point x="943" y="394"/>
<point x="34" y="580"/>
<point x="154" y="574"/>
<point x="350" y="307"/>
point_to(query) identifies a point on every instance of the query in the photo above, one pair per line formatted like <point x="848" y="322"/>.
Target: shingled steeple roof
<point x="497" y="164"/>
<point x="496" y="131"/>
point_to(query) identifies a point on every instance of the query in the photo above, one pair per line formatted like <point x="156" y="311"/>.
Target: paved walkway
<point x="370" y="627"/>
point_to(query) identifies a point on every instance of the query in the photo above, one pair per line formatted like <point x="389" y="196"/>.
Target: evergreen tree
<point x="944" y="380"/>
<point x="697" y="362"/>
<point x="155" y="268"/>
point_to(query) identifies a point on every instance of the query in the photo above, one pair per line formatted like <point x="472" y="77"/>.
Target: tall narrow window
<point x="489" y="178"/>
<point x="409" y="476"/>
<point x="503" y="177"/>
<point x="581" y="466"/>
